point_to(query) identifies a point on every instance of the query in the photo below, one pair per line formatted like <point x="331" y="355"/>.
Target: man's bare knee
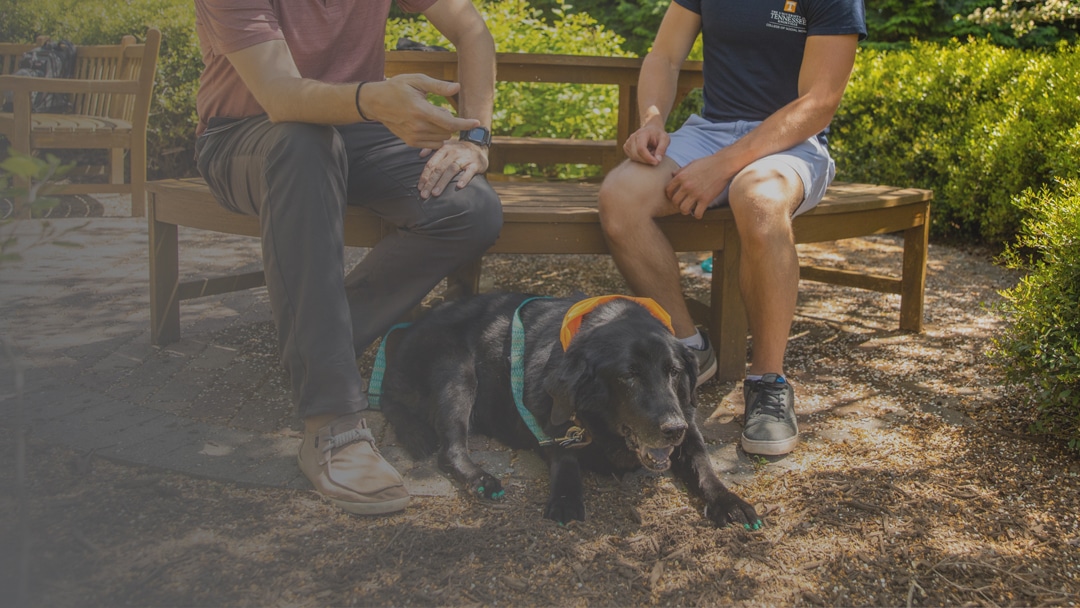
<point x="763" y="196"/>
<point x="633" y="193"/>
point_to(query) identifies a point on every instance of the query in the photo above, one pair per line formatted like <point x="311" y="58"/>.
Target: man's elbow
<point x="477" y="37"/>
<point x="824" y="108"/>
<point x="277" y="112"/>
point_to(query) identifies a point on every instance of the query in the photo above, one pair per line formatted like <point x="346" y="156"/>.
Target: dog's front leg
<point x="452" y="426"/>
<point x="455" y="459"/>
<point x="567" y="500"/>
<point x="722" y="506"/>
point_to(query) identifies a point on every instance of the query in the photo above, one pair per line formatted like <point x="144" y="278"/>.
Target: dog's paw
<point x="564" y="509"/>
<point x="728" y="509"/>
<point x="487" y="488"/>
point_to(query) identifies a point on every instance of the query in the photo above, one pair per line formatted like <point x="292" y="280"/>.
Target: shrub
<point x="974" y="122"/>
<point x="636" y="22"/>
<point x="1040" y="350"/>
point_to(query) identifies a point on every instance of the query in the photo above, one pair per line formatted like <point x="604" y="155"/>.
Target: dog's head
<point x="624" y="374"/>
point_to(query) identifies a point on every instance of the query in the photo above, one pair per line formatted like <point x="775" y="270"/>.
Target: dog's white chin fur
<point x="655" y="459"/>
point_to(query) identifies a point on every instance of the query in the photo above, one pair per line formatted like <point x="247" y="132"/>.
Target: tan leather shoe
<point x="343" y="464"/>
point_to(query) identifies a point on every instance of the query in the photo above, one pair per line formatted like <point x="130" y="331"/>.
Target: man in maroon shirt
<point x="296" y="120"/>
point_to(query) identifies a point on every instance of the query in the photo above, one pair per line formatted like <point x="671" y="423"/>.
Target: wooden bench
<point x="548" y="217"/>
<point x="111" y="92"/>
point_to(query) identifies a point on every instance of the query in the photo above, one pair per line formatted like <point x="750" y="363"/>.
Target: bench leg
<point x="164" y="280"/>
<point x="728" y="326"/>
<point x="465" y="281"/>
<point x="913" y="281"/>
<point x="138" y="177"/>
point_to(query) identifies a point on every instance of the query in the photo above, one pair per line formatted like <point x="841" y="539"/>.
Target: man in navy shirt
<point x="775" y="72"/>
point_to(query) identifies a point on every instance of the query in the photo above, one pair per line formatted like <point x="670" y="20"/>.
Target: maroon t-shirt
<point x="330" y="41"/>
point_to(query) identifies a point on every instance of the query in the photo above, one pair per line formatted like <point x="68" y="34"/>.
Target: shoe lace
<point x="770" y="399"/>
<point x="349" y="436"/>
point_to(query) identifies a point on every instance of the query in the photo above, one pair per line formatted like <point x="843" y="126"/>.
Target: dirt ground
<point x="916" y="484"/>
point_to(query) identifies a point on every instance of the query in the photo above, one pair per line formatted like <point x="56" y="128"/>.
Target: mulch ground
<point x="917" y="483"/>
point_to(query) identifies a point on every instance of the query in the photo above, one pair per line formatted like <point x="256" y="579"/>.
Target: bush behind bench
<point x="1040" y="350"/>
<point x="976" y="123"/>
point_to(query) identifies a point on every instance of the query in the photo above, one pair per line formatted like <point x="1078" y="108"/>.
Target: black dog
<point x="620" y="397"/>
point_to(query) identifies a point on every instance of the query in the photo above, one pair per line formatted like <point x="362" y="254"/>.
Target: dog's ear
<point x="687" y="380"/>
<point x="564" y="386"/>
<point x="576" y="386"/>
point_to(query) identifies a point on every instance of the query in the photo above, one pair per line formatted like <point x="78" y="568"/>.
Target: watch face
<point x="476" y="135"/>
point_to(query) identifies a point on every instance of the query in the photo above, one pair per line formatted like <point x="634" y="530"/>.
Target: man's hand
<point x="401" y="104"/>
<point x="455" y="158"/>
<point x="648" y="144"/>
<point x="693" y="187"/>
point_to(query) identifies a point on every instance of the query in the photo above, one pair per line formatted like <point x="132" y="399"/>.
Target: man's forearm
<point x="476" y="73"/>
<point x="796" y="122"/>
<point x="656" y="88"/>
<point x="311" y="101"/>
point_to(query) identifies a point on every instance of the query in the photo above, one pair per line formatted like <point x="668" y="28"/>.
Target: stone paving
<point x="75" y="311"/>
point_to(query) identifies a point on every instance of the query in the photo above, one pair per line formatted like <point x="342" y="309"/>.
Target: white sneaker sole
<point x="769" y="448"/>
<point x="707" y="374"/>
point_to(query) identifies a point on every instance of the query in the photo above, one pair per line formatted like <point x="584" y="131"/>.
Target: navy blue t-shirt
<point x="753" y="49"/>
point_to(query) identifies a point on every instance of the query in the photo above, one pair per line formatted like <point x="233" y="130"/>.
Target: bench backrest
<point x="11" y="52"/>
<point x="544" y="68"/>
<point x="123" y="61"/>
<point x="129" y="60"/>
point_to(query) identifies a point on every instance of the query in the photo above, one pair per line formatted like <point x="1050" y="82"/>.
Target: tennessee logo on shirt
<point x="789" y="6"/>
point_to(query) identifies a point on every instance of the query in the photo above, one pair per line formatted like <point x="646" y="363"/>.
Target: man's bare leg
<point x="762" y="198"/>
<point x="631" y="198"/>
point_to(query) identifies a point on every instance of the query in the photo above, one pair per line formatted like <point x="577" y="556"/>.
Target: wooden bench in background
<point x="549" y="217"/>
<point x="111" y="92"/>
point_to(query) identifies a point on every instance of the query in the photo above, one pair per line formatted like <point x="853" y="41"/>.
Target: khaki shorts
<point x="698" y="138"/>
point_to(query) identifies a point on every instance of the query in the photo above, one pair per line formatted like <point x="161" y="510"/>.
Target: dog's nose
<point x="673" y="430"/>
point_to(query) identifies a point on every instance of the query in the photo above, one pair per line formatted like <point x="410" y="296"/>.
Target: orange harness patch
<point x="572" y="321"/>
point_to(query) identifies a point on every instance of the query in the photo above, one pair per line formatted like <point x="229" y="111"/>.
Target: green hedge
<point x="976" y="123"/>
<point x="1040" y="350"/>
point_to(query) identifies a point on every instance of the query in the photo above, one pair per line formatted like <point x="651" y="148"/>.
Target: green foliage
<point x="39" y="174"/>
<point x="1023" y="15"/>
<point x="1040" y="350"/>
<point x="172" y="119"/>
<point x="636" y="22"/>
<point x="896" y="23"/>
<point x="974" y="122"/>
<point x="540" y="110"/>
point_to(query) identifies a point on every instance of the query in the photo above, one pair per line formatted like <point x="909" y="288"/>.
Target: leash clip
<point x="576" y="437"/>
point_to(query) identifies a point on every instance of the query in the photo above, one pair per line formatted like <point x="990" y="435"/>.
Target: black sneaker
<point x="706" y="360"/>
<point x="769" y="428"/>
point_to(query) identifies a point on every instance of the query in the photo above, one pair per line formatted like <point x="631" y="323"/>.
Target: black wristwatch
<point x="480" y="136"/>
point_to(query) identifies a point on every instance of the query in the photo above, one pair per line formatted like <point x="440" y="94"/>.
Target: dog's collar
<point x="576" y="435"/>
<point x="572" y="321"/>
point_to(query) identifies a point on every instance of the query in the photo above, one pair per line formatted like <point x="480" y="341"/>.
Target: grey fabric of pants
<point x="298" y="178"/>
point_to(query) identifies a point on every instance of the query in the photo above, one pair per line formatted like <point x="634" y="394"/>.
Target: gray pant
<point x="297" y="178"/>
